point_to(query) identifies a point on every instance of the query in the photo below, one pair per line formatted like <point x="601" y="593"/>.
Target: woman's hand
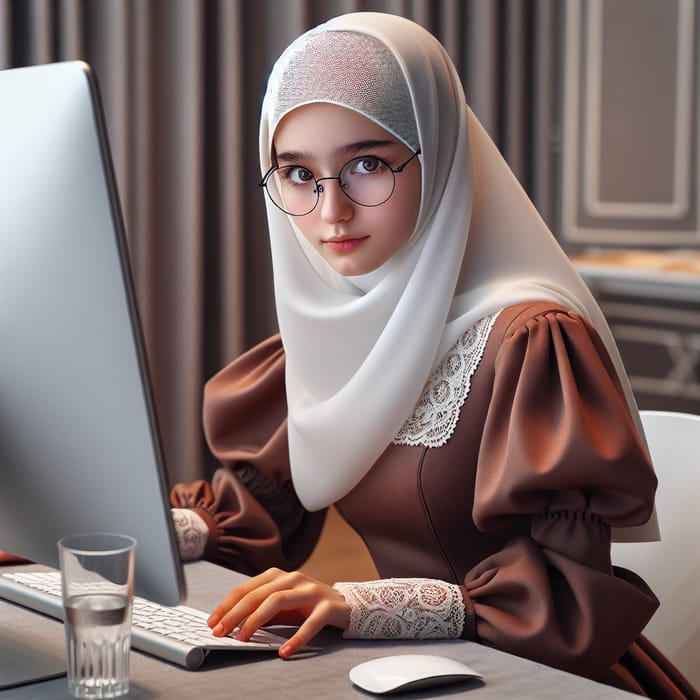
<point x="280" y="597"/>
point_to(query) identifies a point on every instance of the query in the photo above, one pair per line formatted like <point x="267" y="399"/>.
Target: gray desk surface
<point x="325" y="675"/>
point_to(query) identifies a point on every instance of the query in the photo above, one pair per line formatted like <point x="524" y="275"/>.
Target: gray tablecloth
<point x="325" y="675"/>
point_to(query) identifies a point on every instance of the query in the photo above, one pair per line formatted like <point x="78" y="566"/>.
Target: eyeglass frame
<point x="319" y="188"/>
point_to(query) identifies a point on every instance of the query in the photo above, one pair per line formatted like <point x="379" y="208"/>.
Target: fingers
<point x="304" y="599"/>
<point x="237" y="593"/>
<point x="276" y="596"/>
<point x="247" y="597"/>
<point x="313" y="624"/>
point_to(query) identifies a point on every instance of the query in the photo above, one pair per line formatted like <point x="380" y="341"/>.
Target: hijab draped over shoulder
<point x="360" y="349"/>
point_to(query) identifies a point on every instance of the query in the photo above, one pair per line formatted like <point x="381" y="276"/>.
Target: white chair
<point x="671" y="567"/>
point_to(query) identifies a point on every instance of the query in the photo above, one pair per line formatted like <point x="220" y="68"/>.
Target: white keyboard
<point x="178" y="634"/>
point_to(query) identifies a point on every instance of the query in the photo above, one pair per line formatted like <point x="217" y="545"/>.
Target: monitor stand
<point x="25" y="659"/>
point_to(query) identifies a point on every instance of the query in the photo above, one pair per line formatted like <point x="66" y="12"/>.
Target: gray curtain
<point x="181" y="84"/>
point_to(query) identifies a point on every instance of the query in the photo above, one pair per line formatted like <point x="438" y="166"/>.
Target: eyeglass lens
<point x="367" y="180"/>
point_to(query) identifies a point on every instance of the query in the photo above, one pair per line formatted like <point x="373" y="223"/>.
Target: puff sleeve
<point x="255" y="519"/>
<point x="559" y="452"/>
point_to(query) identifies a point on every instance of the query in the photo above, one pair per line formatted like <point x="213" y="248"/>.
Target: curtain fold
<point x="181" y="84"/>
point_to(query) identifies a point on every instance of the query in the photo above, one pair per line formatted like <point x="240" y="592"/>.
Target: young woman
<point x="441" y="375"/>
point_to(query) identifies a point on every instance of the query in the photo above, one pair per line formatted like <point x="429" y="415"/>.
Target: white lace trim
<point x="403" y="608"/>
<point x="435" y="416"/>
<point x="191" y="531"/>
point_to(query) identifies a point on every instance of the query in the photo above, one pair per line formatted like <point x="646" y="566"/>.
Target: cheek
<point x="410" y="205"/>
<point x="306" y="226"/>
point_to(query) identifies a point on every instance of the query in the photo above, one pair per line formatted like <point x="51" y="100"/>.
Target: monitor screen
<point x="79" y="443"/>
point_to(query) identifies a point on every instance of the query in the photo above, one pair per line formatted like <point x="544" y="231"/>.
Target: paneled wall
<point x="630" y="186"/>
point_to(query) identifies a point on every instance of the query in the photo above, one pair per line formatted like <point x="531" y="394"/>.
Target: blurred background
<point x="594" y="103"/>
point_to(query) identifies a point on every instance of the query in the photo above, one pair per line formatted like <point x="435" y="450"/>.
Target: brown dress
<point x="517" y="507"/>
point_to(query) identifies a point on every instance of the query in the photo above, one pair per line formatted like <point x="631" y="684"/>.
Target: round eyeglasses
<point x="367" y="180"/>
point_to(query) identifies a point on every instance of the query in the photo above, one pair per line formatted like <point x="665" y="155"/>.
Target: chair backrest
<point x="671" y="567"/>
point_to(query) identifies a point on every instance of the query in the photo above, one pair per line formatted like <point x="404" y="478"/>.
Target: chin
<point x="351" y="269"/>
<point x="352" y="266"/>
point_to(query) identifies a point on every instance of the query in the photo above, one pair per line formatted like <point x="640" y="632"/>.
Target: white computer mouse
<point x="390" y="674"/>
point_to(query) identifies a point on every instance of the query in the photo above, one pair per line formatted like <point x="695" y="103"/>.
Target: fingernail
<point x="213" y="620"/>
<point x="218" y="630"/>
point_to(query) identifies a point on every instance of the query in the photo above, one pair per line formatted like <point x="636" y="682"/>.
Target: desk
<point x="263" y="677"/>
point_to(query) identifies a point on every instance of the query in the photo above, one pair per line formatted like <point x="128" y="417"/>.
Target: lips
<point x="344" y="245"/>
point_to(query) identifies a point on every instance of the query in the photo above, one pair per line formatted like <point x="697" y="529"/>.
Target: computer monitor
<point x="79" y="442"/>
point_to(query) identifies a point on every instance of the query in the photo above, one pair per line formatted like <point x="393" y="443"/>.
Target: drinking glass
<point x="97" y="575"/>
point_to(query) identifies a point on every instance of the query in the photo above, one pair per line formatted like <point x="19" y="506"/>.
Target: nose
<point x="335" y="204"/>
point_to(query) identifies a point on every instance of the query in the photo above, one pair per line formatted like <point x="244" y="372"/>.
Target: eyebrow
<point x="349" y="149"/>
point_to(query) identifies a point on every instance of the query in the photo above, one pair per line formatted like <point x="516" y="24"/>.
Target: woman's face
<point x="354" y="239"/>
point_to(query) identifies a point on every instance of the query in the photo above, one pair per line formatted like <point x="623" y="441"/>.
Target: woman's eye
<point x="297" y="175"/>
<point x="366" y="165"/>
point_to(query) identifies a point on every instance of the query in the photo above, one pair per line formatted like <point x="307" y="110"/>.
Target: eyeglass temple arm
<point x="403" y="165"/>
<point x="266" y="177"/>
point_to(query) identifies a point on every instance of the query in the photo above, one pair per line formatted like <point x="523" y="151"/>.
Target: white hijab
<point x="359" y="350"/>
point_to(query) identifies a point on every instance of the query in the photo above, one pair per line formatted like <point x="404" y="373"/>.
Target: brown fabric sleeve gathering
<point x="559" y="451"/>
<point x="254" y="517"/>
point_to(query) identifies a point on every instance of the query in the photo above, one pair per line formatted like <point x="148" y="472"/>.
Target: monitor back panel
<point x="79" y="445"/>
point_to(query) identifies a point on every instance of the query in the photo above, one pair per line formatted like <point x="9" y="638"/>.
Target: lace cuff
<point x="403" y="608"/>
<point x="191" y="531"/>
